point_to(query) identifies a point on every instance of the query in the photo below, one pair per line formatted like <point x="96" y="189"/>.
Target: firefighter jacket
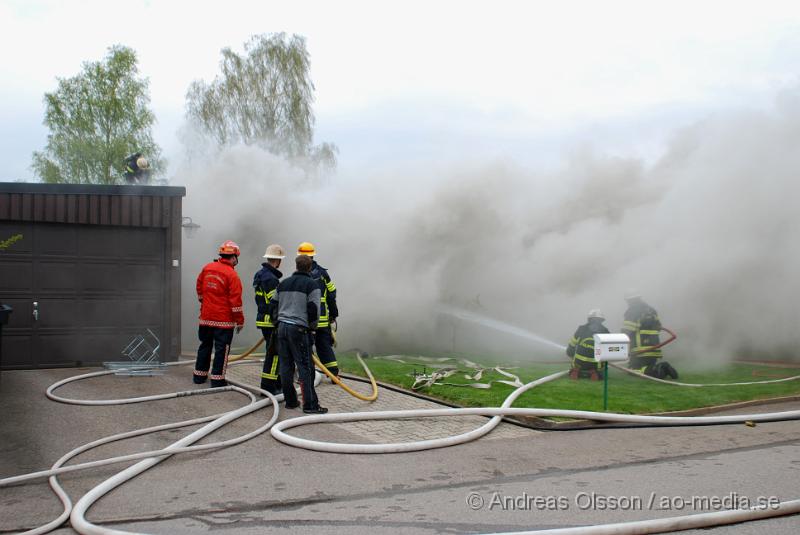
<point x="220" y="293"/>
<point x="642" y="325"/>
<point x="296" y="301"/>
<point x="133" y="173"/>
<point x="265" y="282"/>
<point x="581" y="346"/>
<point x="328" y="310"/>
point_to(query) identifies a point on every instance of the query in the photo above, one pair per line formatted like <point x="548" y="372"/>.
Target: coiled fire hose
<point x="625" y="528"/>
<point x="79" y="522"/>
<point x="151" y="457"/>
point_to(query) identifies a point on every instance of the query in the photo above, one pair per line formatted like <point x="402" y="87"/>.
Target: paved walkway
<point x="263" y="486"/>
<point x="377" y="431"/>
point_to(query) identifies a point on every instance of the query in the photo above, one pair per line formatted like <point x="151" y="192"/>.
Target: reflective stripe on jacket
<point x="265" y="283"/>
<point x="643" y="326"/>
<point x="328" y="310"/>
<point x="581" y="346"/>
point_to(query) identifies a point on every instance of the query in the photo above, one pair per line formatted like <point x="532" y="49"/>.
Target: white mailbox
<point x="611" y="347"/>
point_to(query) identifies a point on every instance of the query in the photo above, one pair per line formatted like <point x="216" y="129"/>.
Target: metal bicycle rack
<point x="143" y="358"/>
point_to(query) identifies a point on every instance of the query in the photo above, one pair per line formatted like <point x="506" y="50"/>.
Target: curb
<point x="543" y="424"/>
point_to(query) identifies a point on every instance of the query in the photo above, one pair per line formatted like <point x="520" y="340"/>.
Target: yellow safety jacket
<point x="581" y="345"/>
<point x="643" y="326"/>
<point x="265" y="283"/>
<point x="328" y="309"/>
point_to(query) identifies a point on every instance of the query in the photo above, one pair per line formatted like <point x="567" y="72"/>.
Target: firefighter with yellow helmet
<point x="329" y="311"/>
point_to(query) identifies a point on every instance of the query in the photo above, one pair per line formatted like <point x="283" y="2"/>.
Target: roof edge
<point x="92" y="189"/>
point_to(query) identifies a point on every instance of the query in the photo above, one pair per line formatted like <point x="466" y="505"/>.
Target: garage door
<point x="80" y="293"/>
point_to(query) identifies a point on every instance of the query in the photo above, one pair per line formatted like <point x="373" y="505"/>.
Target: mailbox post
<point x="612" y="347"/>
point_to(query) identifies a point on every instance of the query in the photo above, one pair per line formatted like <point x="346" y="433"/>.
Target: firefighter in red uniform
<point x="220" y="293"/>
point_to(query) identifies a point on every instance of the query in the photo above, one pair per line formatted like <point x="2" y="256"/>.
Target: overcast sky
<point x="399" y="81"/>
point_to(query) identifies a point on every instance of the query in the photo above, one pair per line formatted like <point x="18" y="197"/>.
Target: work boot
<point x="316" y="410"/>
<point x="594" y="376"/>
<point x="198" y="380"/>
<point x="292" y="405"/>
<point x="218" y="384"/>
<point x="272" y="389"/>
<point x="573" y="374"/>
<point x="671" y="372"/>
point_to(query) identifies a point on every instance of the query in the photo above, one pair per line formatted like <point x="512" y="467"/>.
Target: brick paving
<point x="379" y="431"/>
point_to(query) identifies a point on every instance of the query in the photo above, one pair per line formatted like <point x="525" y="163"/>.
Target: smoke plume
<point x="707" y="234"/>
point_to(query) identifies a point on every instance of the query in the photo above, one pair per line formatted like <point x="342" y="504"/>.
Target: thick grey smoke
<point x="707" y="234"/>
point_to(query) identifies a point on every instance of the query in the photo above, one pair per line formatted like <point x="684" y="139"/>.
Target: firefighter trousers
<point x="270" y="380"/>
<point x="324" y="343"/>
<point x="294" y="348"/>
<point x="216" y="339"/>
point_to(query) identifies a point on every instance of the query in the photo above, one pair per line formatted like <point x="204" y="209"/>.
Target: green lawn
<point x="627" y="394"/>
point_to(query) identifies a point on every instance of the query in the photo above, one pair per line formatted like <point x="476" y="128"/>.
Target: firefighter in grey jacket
<point x="296" y="309"/>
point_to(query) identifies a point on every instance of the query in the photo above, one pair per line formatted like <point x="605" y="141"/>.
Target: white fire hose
<point x="80" y="524"/>
<point x="152" y="457"/>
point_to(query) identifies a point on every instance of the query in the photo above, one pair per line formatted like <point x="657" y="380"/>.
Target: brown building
<point x="95" y="266"/>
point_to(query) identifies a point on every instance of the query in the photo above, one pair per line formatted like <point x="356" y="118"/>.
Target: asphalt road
<point x="532" y="480"/>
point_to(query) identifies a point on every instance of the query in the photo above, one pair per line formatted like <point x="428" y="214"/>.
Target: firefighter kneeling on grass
<point x="581" y="347"/>
<point x="642" y="325"/>
<point x="219" y="291"/>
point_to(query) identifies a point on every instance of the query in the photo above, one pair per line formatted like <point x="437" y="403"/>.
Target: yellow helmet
<point x="306" y="248"/>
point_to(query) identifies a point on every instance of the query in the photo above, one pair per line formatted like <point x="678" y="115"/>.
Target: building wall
<point x="102" y="264"/>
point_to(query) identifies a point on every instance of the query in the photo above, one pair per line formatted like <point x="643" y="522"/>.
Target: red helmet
<point x="229" y="247"/>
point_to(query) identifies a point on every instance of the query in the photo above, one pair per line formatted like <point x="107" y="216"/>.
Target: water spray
<point x="497" y="325"/>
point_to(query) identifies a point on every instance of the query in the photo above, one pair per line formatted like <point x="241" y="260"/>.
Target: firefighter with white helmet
<point x="137" y="169"/>
<point x="329" y="310"/>
<point x="265" y="283"/>
<point x="219" y="291"/>
<point x="581" y="347"/>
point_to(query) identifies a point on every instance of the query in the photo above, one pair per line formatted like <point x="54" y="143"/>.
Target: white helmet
<point x="596" y="313"/>
<point x="632" y="293"/>
<point x="142" y="163"/>
<point x="275" y="251"/>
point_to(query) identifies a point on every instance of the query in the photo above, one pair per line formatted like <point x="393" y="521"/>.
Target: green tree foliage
<point x="96" y="119"/>
<point x="263" y="98"/>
